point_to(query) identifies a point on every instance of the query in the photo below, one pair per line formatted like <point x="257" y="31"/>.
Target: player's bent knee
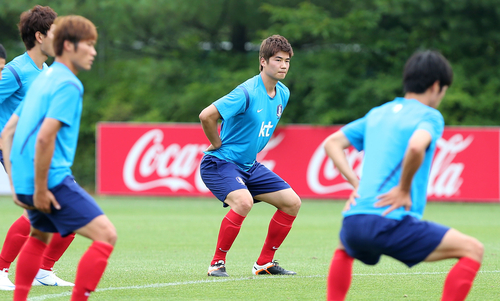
<point x="107" y="234"/>
<point x="242" y="207"/>
<point x="473" y="248"/>
<point x="476" y="249"/>
<point x="112" y="238"/>
<point x="294" y="204"/>
<point x="241" y="203"/>
<point x="110" y="234"/>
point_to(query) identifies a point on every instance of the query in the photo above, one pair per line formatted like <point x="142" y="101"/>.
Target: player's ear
<point x="69" y="46"/>
<point x="262" y="62"/>
<point x="38" y="37"/>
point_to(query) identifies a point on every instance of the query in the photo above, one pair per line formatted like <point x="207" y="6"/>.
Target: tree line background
<point x="166" y="60"/>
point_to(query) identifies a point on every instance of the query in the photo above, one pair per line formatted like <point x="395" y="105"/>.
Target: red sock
<point x="459" y="280"/>
<point x="229" y="229"/>
<point x="55" y="249"/>
<point x="16" y="237"/>
<point x="280" y="225"/>
<point x="339" y="277"/>
<point x="28" y="264"/>
<point x="90" y="270"/>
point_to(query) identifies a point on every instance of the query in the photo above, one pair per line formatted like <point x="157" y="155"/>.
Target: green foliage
<point x="164" y="61"/>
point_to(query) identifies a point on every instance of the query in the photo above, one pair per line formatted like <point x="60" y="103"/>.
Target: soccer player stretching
<point x="249" y="116"/>
<point x="382" y="215"/>
<point x="46" y="126"/>
<point x="35" y="29"/>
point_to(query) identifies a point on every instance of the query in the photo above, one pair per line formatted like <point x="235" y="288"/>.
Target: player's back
<point x="56" y="93"/>
<point x="388" y="129"/>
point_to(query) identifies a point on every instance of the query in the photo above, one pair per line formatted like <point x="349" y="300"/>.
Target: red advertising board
<point x="163" y="159"/>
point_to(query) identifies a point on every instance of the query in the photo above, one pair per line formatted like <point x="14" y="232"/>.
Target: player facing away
<point x="35" y="30"/>
<point x="384" y="211"/>
<point x="229" y="168"/>
<point x="41" y="152"/>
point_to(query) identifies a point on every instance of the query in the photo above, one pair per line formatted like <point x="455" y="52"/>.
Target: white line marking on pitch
<point x="156" y="285"/>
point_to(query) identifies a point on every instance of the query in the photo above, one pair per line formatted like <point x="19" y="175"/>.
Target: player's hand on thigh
<point x="43" y="199"/>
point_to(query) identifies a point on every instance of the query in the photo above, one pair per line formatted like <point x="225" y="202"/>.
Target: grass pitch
<point x="165" y="246"/>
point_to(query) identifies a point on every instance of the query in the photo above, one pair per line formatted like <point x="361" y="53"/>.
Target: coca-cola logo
<point x="320" y="166"/>
<point x="445" y="178"/>
<point x="170" y="166"/>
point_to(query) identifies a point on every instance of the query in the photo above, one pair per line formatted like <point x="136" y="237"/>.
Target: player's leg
<point x="287" y="203"/>
<point x="268" y="187"/>
<point x="55" y="249"/>
<point x="94" y="261"/>
<point x="227" y="182"/>
<point x="470" y="253"/>
<point x="339" y="275"/>
<point x="14" y="240"/>
<point x="29" y="262"/>
<point x="241" y="202"/>
<point x="80" y="214"/>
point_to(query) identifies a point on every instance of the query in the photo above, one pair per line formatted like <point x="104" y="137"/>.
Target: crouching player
<point x="383" y="214"/>
<point x="40" y="155"/>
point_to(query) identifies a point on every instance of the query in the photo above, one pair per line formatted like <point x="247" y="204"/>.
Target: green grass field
<point x="165" y="246"/>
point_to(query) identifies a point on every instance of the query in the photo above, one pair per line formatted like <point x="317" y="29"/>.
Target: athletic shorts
<point x="78" y="209"/>
<point x="222" y="177"/>
<point x="366" y="237"/>
<point x="1" y="159"/>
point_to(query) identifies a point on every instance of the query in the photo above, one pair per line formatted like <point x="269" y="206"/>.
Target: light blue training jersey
<point x="17" y="77"/>
<point x="384" y="134"/>
<point x="249" y="118"/>
<point x="56" y="93"/>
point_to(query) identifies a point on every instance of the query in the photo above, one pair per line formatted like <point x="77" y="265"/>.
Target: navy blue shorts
<point x="366" y="237"/>
<point x="78" y="209"/>
<point x="223" y="177"/>
<point x="1" y="159"/>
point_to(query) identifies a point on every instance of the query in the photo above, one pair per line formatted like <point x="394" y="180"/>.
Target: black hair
<point x="423" y="69"/>
<point x="3" y="53"/>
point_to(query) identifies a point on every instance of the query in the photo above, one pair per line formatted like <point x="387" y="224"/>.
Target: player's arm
<point x="209" y="118"/>
<point x="399" y="196"/>
<point x="44" y="151"/>
<point x="7" y="138"/>
<point x="414" y="156"/>
<point x="8" y="85"/>
<point x="334" y="147"/>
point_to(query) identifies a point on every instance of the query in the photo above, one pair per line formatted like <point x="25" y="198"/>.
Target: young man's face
<point x="278" y="65"/>
<point x="47" y="45"/>
<point x="84" y="55"/>
<point x="2" y="65"/>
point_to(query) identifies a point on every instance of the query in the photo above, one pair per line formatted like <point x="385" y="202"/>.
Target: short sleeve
<point x="355" y="133"/>
<point x="8" y="84"/>
<point x="64" y="103"/>
<point x="232" y="104"/>
<point x="433" y="122"/>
